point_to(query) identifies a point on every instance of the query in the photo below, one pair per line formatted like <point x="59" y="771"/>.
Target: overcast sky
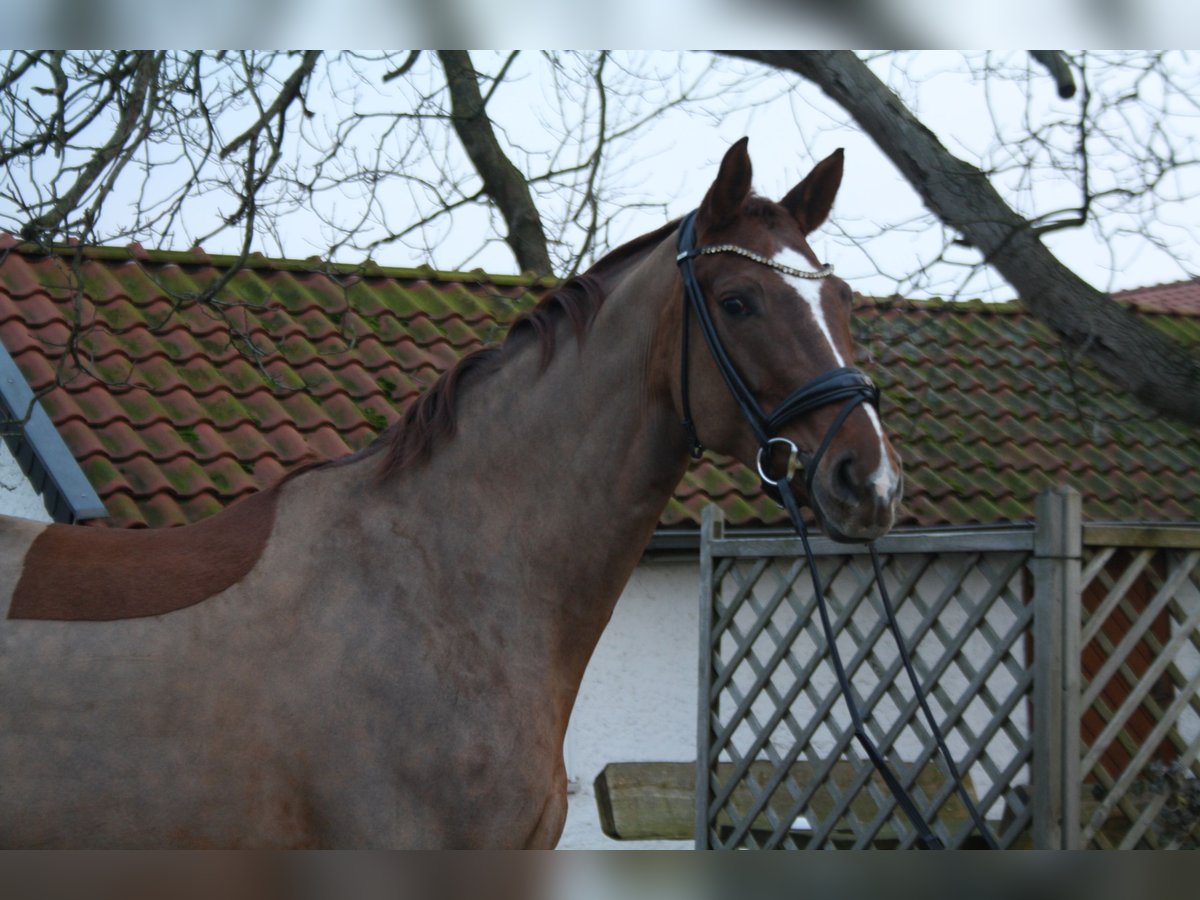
<point x="672" y="161"/>
<point x="879" y="231"/>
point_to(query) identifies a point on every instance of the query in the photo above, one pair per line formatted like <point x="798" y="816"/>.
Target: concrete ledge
<point x="657" y="801"/>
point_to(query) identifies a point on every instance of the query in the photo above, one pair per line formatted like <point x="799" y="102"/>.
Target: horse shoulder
<point x="74" y="572"/>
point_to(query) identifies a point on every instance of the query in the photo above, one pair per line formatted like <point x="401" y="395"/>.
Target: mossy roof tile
<point x="284" y="445"/>
<point x="310" y="360"/>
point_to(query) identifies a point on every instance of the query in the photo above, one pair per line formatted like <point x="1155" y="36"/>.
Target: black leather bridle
<point x="850" y="387"/>
<point x="843" y="384"/>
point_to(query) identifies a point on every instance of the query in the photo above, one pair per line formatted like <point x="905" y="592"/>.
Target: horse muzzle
<point x="856" y="505"/>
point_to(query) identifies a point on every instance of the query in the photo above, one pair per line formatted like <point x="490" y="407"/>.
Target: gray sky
<point x="878" y="221"/>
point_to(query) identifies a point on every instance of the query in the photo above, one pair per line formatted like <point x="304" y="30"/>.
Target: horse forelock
<point x="433" y="417"/>
<point x="779" y="228"/>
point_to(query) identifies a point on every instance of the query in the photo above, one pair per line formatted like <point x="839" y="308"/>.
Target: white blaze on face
<point x="885" y="479"/>
<point x="809" y="290"/>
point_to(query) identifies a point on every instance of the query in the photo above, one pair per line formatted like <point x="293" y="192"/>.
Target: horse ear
<point x="731" y="188"/>
<point x="810" y="201"/>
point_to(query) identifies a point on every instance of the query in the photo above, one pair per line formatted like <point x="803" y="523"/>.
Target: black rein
<point x="850" y="387"/>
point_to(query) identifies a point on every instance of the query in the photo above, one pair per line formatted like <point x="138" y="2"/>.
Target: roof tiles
<point x="1174" y="298"/>
<point x="195" y="408"/>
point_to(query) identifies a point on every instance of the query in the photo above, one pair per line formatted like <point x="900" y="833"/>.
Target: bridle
<point x="845" y="384"/>
<point x="850" y="387"/>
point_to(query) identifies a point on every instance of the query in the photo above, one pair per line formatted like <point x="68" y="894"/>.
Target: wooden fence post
<point x="1058" y="548"/>
<point x="712" y="527"/>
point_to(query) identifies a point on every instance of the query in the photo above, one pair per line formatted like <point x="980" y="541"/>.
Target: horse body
<point x="380" y="658"/>
<point x="321" y="698"/>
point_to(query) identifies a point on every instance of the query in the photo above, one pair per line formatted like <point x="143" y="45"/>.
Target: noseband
<point x="850" y="387"/>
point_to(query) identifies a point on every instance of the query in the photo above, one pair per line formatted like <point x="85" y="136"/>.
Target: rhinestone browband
<point x="824" y="272"/>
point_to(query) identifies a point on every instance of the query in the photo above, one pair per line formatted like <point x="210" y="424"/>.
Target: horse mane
<point x="433" y="416"/>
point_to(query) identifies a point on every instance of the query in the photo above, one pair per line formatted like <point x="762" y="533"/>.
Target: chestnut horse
<point x="383" y="651"/>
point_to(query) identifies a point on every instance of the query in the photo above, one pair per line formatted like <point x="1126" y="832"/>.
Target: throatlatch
<point x="851" y="387"/>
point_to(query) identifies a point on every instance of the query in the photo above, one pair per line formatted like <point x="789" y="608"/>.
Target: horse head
<point x="781" y="320"/>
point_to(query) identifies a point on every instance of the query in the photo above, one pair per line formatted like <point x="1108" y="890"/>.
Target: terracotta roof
<point x="986" y="410"/>
<point x="1182" y="297"/>
<point x="193" y="410"/>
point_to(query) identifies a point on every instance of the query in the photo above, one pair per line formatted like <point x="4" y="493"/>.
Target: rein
<point x="851" y="387"/>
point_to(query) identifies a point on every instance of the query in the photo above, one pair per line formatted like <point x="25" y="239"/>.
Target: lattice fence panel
<point x="1140" y="734"/>
<point x="783" y="768"/>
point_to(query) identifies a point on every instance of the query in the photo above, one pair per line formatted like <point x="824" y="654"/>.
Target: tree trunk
<point x="502" y="180"/>
<point x="1133" y="355"/>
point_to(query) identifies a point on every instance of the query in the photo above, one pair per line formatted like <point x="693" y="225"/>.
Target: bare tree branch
<point x="291" y="90"/>
<point x="1138" y="358"/>
<point x="16" y="72"/>
<point x="404" y="68"/>
<point x="1055" y="62"/>
<point x="131" y="112"/>
<point x="502" y="180"/>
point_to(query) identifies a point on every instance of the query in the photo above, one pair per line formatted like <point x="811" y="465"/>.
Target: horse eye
<point x="736" y="306"/>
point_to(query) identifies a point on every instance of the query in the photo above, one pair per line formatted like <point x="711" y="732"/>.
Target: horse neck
<point x="560" y="477"/>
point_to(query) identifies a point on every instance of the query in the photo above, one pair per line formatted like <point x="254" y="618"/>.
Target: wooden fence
<point x="1061" y="660"/>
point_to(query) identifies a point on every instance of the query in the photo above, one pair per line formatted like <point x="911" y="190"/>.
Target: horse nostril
<point x="843" y="477"/>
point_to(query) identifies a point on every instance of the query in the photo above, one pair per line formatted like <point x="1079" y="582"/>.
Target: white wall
<point x="637" y="702"/>
<point x="17" y="496"/>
